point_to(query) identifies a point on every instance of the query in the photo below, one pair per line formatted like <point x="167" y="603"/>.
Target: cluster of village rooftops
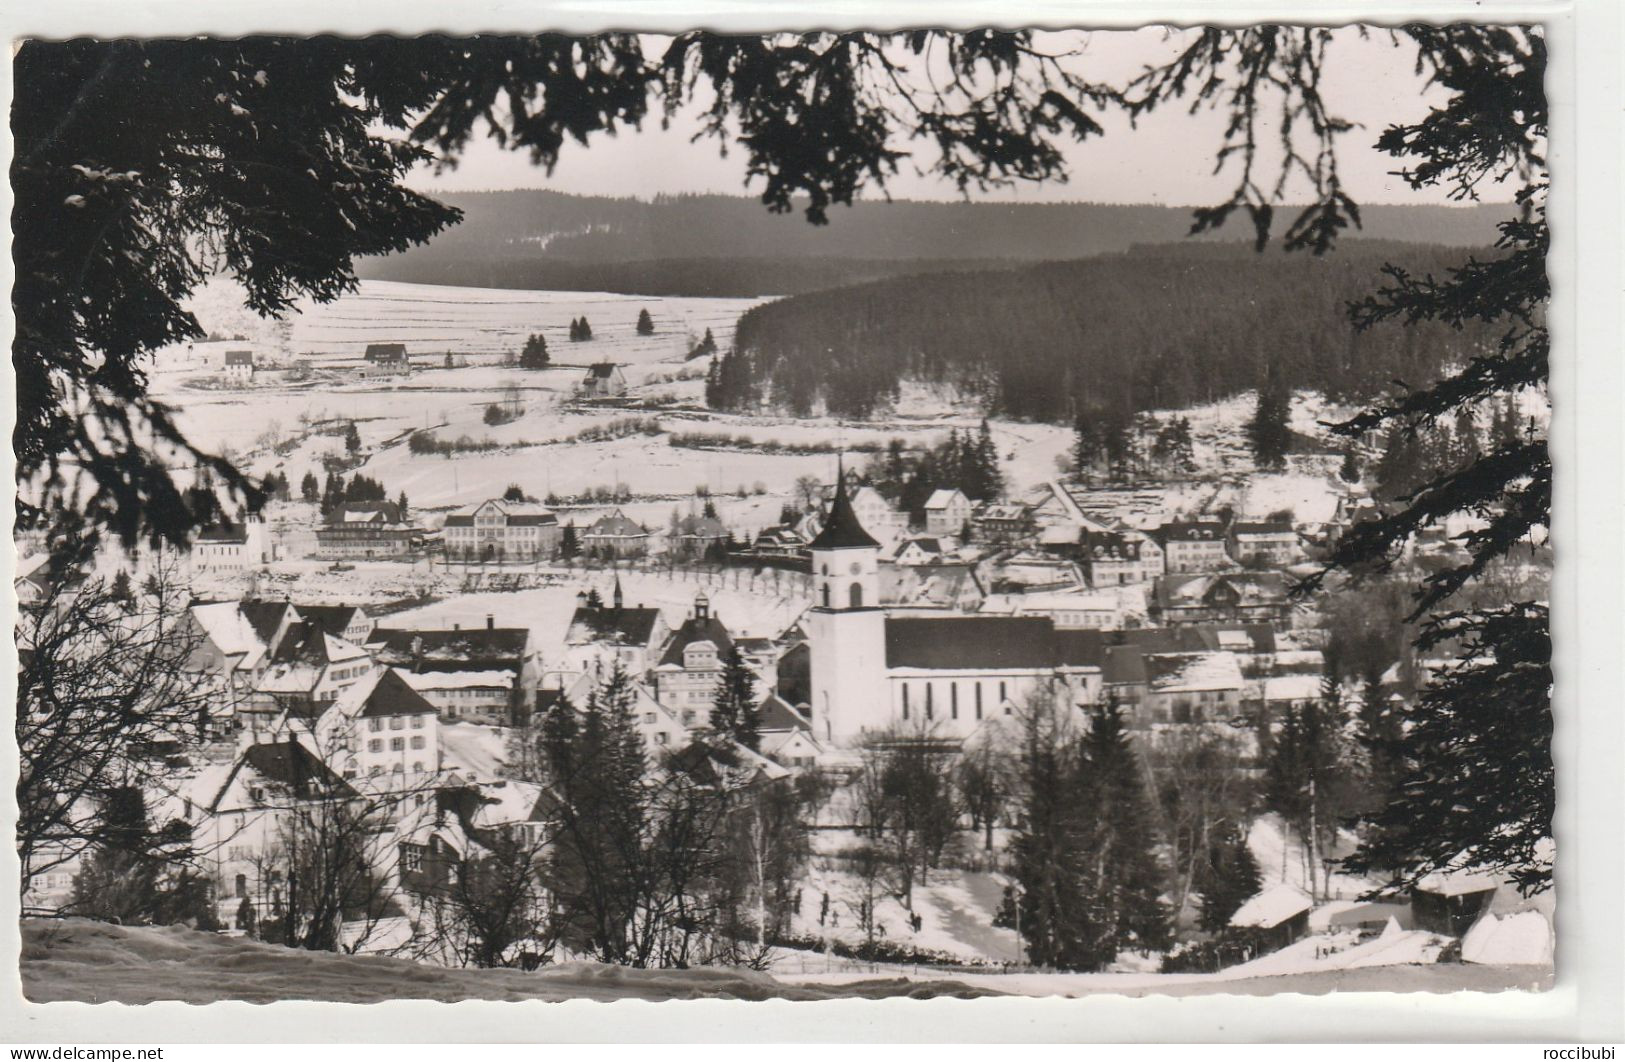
<point x="906" y="636"/>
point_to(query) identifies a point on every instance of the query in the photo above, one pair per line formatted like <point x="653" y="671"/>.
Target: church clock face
<point x="857" y="568"/>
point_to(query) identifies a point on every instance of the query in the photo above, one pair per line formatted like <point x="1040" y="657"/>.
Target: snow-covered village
<point x="890" y="606"/>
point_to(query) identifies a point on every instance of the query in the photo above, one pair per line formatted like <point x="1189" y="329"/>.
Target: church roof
<point x="843" y="530"/>
<point x="957" y="643"/>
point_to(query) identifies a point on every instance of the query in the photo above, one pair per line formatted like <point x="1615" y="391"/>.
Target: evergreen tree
<point x="309" y="488"/>
<point x="706" y="348"/>
<point x="709" y="509"/>
<point x="1349" y="470"/>
<point x="534" y="355"/>
<point x="352" y="438"/>
<point x="119" y="879"/>
<point x="586" y="329"/>
<point x="450" y="364"/>
<point x="734" y="710"/>
<point x="121" y="590"/>
<point x="646" y="324"/>
<point x="1126" y="885"/>
<point x="1231" y="878"/>
<point x="1086" y="446"/>
<point x="1267" y="431"/>
<point x="575" y="329"/>
<point x="400" y="503"/>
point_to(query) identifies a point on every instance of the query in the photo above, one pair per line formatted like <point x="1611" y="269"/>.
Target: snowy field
<point x="79" y="960"/>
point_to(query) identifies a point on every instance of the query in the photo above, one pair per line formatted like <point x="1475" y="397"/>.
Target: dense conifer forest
<point x="1159" y="327"/>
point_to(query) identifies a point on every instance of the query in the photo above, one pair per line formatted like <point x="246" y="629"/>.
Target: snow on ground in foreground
<point x="76" y="959"/>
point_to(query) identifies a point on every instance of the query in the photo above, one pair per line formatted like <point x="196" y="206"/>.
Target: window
<point x="374" y="771"/>
<point x="648" y="717"/>
<point x="411" y="857"/>
<point x="417" y="766"/>
<point x="417" y="741"/>
<point x="397" y="723"/>
<point x="375" y="725"/>
<point x="953" y="699"/>
<point x="417" y="723"/>
<point x="241" y="884"/>
<point x="855" y="595"/>
<point x="397" y="744"/>
<point x="905" y="700"/>
<point x="928" y="700"/>
<point x="397" y="769"/>
<point x="1002" y="694"/>
<point x="978" y="700"/>
<point x="660" y="738"/>
<point x="375" y="745"/>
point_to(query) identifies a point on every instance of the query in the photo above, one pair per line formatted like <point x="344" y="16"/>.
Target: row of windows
<point x="375" y="770"/>
<point x="395" y="744"/>
<point x="396" y="722"/>
<point x="929" y="699"/>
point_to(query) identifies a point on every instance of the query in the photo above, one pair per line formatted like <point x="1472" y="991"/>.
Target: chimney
<point x="456" y="626"/>
<point x="490" y="622"/>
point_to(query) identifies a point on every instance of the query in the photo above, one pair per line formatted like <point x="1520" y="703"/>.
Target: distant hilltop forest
<point x="731" y="246"/>
<point x="1158" y="327"/>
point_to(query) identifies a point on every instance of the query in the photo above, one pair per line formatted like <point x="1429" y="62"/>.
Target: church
<point x="937" y="676"/>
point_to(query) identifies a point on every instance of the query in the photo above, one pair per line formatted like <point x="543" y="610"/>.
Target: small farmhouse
<point x="604" y="379"/>
<point x="238" y="366"/>
<point x="386" y="359"/>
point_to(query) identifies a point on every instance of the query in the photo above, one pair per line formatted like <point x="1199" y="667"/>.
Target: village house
<point x="1269" y="544"/>
<point x="381" y="728"/>
<point x="349" y="622"/>
<point x="1275" y="917"/>
<point x="31" y="583"/>
<point x="1073" y="609"/>
<point x="1191" y="687"/>
<point x="241" y="813"/>
<point x="371" y="530"/>
<point x="604" y="379"/>
<point x="385" y="359"/>
<point x="232" y="547"/>
<point x="1118" y="559"/>
<point x="1193" y="546"/>
<point x="785" y="542"/>
<point x="1230" y="597"/>
<point x="470" y="665"/>
<point x="691" y="665"/>
<point x="659" y="725"/>
<point x="694" y="536"/>
<point x="630" y="636"/>
<point x="786" y="735"/>
<point x="947" y="512"/>
<point x="921" y="550"/>
<point x="462" y="822"/>
<point x="238" y="366"/>
<point x="615" y="535"/>
<point x="1002" y="523"/>
<point x="307" y="670"/>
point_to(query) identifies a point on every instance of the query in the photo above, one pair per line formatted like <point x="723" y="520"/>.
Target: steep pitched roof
<point x="842" y="529"/>
<point x="941" y="498"/>
<point x="602" y="370"/>
<point x="391" y="695"/>
<point x="710" y="629"/>
<point x="364" y="512"/>
<point x="265" y="616"/>
<point x="240" y="357"/>
<point x="775" y="713"/>
<point x="331" y="618"/>
<point x="615" y="525"/>
<point x="386" y="352"/>
<point x="624" y="626"/>
<point x="286" y="763"/>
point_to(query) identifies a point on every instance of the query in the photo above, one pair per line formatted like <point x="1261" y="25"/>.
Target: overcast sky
<point x="1167" y="159"/>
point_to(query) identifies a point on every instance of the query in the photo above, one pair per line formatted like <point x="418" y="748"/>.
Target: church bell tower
<point x="846" y="627"/>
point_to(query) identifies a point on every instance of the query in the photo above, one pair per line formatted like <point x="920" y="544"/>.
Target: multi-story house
<point x="1228" y="597"/>
<point x="238" y="366"/>
<point x="381" y="729"/>
<point x="1193" y="546"/>
<point x="372" y="530"/>
<point x="1270" y="543"/>
<point x="498" y="530"/>
<point x="946" y="512"/>
<point x="471" y="664"/>
<point x="691" y="665"/>
<point x="615" y="535"/>
<point x="232" y="547"/>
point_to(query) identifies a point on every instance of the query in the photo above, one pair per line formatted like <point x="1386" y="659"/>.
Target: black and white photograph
<point x="821" y="514"/>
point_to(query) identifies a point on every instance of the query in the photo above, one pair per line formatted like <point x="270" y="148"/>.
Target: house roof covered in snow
<point x="468" y="649"/>
<point x="616" y="525"/>
<point x="775" y="714"/>
<point x="352" y="514"/>
<point x="457" y="680"/>
<point x="696" y="629"/>
<point x="623" y="626"/>
<point x="1192" y="672"/>
<point x="1278" y="903"/>
<point x="941" y="499"/>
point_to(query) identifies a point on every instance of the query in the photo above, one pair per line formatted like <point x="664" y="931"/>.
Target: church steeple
<point x="618" y="593"/>
<point x="842" y="529"/>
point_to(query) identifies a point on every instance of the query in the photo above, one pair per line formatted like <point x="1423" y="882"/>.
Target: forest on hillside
<point x="716" y="245"/>
<point x="1159" y="327"/>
